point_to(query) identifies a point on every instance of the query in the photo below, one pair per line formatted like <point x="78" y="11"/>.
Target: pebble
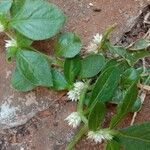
<point x="91" y="4"/>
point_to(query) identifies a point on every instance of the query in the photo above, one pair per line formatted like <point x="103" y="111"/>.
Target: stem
<point x="77" y="137"/>
<point x="80" y="103"/>
<point x="82" y="97"/>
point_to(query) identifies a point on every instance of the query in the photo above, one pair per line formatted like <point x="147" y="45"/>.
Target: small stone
<point x="91" y="4"/>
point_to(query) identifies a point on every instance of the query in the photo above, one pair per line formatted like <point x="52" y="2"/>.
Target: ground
<point x="35" y="120"/>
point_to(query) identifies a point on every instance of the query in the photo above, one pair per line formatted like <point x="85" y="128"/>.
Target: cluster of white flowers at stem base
<point x="99" y="136"/>
<point x="10" y="43"/>
<point x="74" y="94"/>
<point x="74" y="119"/>
<point x="93" y="47"/>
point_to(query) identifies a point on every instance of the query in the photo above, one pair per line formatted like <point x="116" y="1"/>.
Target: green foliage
<point x="130" y="56"/>
<point x="129" y="77"/>
<point x="16" y="6"/>
<point x="105" y="78"/>
<point x="104" y="89"/>
<point x="91" y="66"/>
<point x="72" y="68"/>
<point x="59" y="82"/>
<point x="136" y="137"/>
<point x="38" y="20"/>
<point x="140" y="44"/>
<point x="68" y="45"/>
<point x="11" y="53"/>
<point x="113" y="145"/>
<point x="34" y="67"/>
<point x="19" y="82"/>
<point x="125" y="106"/>
<point x="5" y="5"/>
<point x="22" y="41"/>
<point x="96" y="116"/>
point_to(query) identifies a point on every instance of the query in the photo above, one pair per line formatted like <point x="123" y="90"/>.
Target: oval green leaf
<point x="68" y="45"/>
<point x="38" y="20"/>
<point x="59" y="81"/>
<point x="34" y="67"/>
<point x="91" y="66"/>
<point x="20" y="83"/>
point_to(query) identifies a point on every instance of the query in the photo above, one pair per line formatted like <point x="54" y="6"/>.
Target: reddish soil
<point x="47" y="130"/>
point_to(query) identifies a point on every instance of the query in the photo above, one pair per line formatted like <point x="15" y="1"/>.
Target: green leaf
<point x="72" y="68"/>
<point x="119" y="50"/>
<point x="34" y="67"/>
<point x="105" y="85"/>
<point x="20" y="83"/>
<point x="137" y="105"/>
<point x="135" y="137"/>
<point x="5" y="6"/>
<point x="140" y="44"/>
<point x="126" y="105"/>
<point x="38" y="20"/>
<point x="16" y="6"/>
<point x="133" y="56"/>
<point x="96" y="116"/>
<point x="22" y="41"/>
<point x="91" y="66"/>
<point x="129" y="77"/>
<point x="130" y="56"/>
<point x="11" y="53"/>
<point x="68" y="45"/>
<point x="59" y="82"/>
<point x="113" y="145"/>
<point x="118" y="98"/>
<point x="109" y="63"/>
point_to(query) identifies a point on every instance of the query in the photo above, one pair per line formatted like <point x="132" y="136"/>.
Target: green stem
<point x="77" y="137"/>
<point x="80" y="103"/>
<point x="82" y="97"/>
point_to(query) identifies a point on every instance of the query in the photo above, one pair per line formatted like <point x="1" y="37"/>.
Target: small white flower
<point x="10" y="43"/>
<point x="97" y="38"/>
<point x="78" y="86"/>
<point x="74" y="94"/>
<point x="1" y="27"/>
<point x="92" y="48"/>
<point x="74" y="119"/>
<point x="99" y="136"/>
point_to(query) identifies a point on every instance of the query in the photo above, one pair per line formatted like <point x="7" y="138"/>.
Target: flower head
<point x="74" y="94"/>
<point x="78" y="86"/>
<point x="74" y="119"/>
<point x="1" y="28"/>
<point x="10" y="43"/>
<point x="97" y="38"/>
<point x="99" y="136"/>
<point x="93" y="47"/>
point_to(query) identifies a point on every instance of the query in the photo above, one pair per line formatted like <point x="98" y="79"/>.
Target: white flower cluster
<point x="74" y="94"/>
<point x="99" y="136"/>
<point x="74" y="119"/>
<point x="1" y="27"/>
<point x="10" y="43"/>
<point x="93" y="47"/>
